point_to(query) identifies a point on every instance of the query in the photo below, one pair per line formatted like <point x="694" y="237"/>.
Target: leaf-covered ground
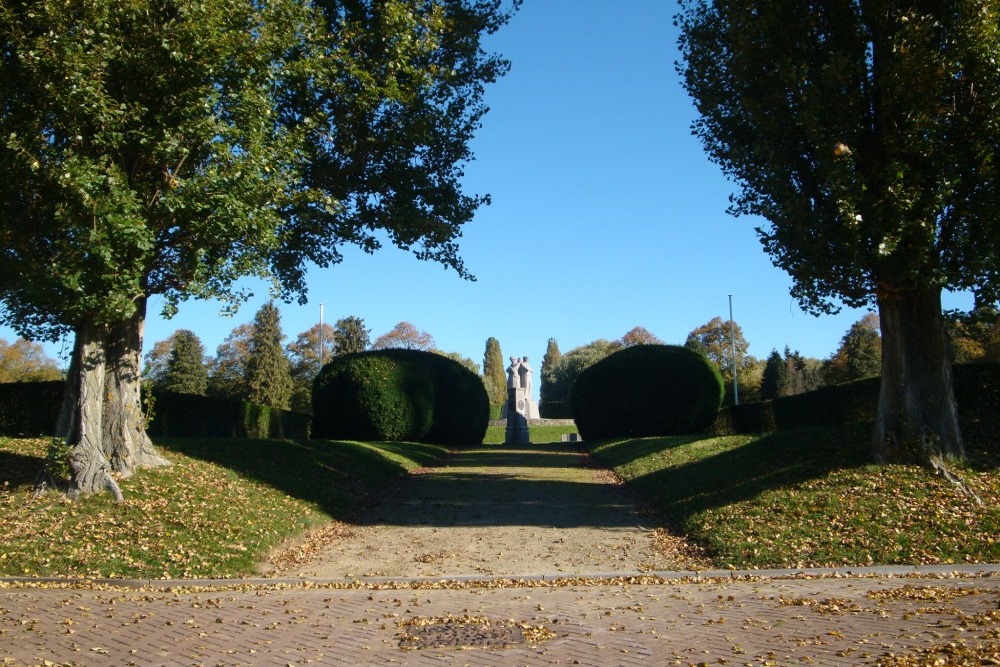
<point x="812" y="497"/>
<point x="216" y="512"/>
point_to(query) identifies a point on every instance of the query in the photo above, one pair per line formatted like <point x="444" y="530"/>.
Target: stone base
<point x="525" y="406"/>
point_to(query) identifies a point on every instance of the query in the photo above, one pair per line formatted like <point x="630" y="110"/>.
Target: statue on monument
<point x="524" y="370"/>
<point x="514" y="374"/>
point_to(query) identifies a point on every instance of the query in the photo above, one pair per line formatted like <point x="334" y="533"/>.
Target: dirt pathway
<point x="511" y="510"/>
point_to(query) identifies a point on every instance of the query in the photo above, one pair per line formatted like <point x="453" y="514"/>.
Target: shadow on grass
<point x="19" y="470"/>
<point x="334" y="476"/>
<point x="681" y="488"/>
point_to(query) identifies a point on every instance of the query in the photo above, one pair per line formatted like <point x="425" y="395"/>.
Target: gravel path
<point x="497" y="510"/>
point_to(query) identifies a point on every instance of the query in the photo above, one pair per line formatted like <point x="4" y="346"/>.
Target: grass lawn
<point x="811" y="497"/>
<point x="539" y="433"/>
<point x="216" y="512"/>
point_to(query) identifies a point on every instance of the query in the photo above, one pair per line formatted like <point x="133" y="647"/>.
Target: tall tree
<point x="267" y="373"/>
<point x="639" y="336"/>
<point x="775" y="380"/>
<point x="186" y="372"/>
<point x="26" y="361"/>
<point x="227" y="369"/>
<point x="404" y="336"/>
<point x="974" y="337"/>
<point x="715" y="339"/>
<point x="351" y="335"/>
<point x="304" y="356"/>
<point x="171" y="150"/>
<point x="865" y="135"/>
<point x="548" y="390"/>
<point x="494" y="374"/>
<point x="859" y="355"/>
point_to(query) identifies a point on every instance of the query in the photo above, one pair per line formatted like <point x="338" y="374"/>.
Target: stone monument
<point x="519" y="407"/>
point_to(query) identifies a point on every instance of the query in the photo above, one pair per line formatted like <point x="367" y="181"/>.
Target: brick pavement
<point x="723" y="620"/>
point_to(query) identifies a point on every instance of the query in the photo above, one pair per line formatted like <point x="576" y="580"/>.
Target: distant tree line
<point x="254" y="362"/>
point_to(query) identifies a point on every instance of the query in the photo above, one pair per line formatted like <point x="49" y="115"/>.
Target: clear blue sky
<point x="606" y="214"/>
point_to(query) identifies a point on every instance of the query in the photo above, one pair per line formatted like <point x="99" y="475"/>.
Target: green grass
<point x="810" y="497"/>
<point x="216" y="512"/>
<point x="539" y="433"/>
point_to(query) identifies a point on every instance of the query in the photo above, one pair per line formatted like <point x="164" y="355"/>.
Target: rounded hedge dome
<point x="399" y="395"/>
<point x="646" y="390"/>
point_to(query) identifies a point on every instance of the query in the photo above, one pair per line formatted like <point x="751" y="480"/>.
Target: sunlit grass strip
<point x="809" y="498"/>
<point x="215" y="513"/>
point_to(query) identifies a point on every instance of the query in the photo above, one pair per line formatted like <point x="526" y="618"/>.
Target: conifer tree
<point x="494" y="376"/>
<point x="547" y="391"/>
<point x="186" y="372"/>
<point x="268" y="373"/>
<point x="351" y="335"/>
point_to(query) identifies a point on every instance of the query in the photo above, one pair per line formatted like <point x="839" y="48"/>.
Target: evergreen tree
<point x="350" y="335"/>
<point x="775" y="380"/>
<point x="267" y="374"/>
<point x="186" y="372"/>
<point x="494" y="375"/>
<point x="549" y="391"/>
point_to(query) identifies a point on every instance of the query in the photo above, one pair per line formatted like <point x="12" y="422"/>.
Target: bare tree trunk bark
<point x="83" y="415"/>
<point x="917" y="418"/>
<point x="125" y="443"/>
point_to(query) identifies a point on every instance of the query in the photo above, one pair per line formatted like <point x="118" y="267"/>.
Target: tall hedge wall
<point x="977" y="393"/>
<point x="31" y="409"/>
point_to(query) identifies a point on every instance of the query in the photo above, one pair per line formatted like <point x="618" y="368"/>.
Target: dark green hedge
<point x="192" y="416"/>
<point x="400" y="395"/>
<point x="555" y="410"/>
<point x="977" y="393"/>
<point x="29" y="408"/>
<point x="646" y="390"/>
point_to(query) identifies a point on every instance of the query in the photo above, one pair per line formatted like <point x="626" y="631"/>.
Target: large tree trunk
<point x="82" y="415"/>
<point x="917" y="420"/>
<point x="125" y="442"/>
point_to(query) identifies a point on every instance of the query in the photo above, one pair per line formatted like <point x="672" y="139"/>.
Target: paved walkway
<point x="763" y="621"/>
<point x="628" y="615"/>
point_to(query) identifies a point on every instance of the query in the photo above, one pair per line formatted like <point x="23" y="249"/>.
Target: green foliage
<point x="548" y="391"/>
<point x="714" y="339"/>
<point x="646" y="390"/>
<point x="859" y="355"/>
<point x="977" y="392"/>
<point x="350" y="335"/>
<point x="227" y="370"/>
<point x="494" y="376"/>
<point x="267" y="372"/>
<point x="185" y="372"/>
<point x="400" y="395"/>
<point x="57" y="461"/>
<point x="865" y="135"/>
<point x="974" y="337"/>
<point x="190" y="416"/>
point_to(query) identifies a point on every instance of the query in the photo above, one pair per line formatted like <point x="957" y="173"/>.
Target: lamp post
<point x="732" y="339"/>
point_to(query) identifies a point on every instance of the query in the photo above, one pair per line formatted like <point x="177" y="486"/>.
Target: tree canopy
<point x="865" y="136"/>
<point x="171" y="150"/>
<point x="404" y="336"/>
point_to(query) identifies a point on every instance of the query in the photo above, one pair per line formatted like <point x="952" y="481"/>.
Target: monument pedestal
<point x="523" y="405"/>
<point x="517" y="422"/>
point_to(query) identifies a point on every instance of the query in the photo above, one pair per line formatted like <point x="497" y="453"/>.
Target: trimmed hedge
<point x="192" y="416"/>
<point x="400" y="395"/>
<point x="977" y="393"/>
<point x="31" y="409"/>
<point x="646" y="390"/>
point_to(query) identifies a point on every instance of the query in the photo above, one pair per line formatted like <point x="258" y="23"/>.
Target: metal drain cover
<point x="462" y="635"/>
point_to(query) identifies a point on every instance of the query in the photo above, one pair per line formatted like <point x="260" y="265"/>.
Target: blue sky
<point x="606" y="213"/>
